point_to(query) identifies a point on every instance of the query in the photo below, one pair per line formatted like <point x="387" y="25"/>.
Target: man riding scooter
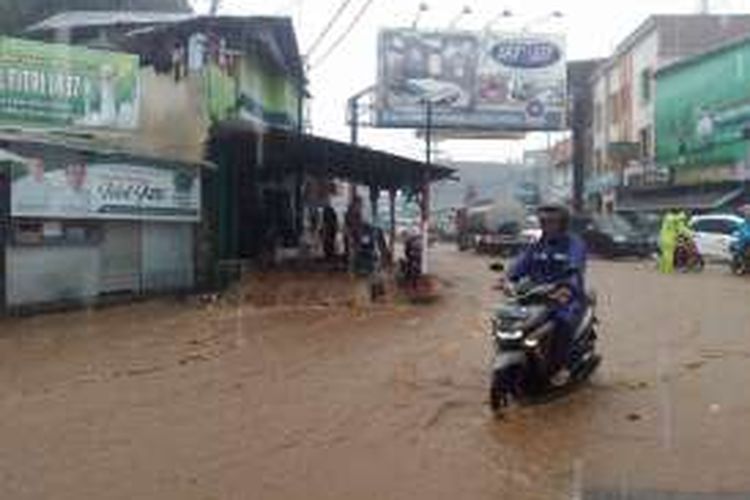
<point x="557" y="257"/>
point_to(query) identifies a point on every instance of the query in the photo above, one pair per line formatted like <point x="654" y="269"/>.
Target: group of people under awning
<point x="364" y="247"/>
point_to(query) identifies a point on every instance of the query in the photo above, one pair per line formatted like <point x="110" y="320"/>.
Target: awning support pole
<point x="425" y="198"/>
<point x="425" y="209"/>
<point x="374" y="196"/>
<point x="392" y="216"/>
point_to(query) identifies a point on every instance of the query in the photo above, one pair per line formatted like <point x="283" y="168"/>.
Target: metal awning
<point x="328" y="158"/>
<point x="10" y="157"/>
<point x="83" y="143"/>
<point x="81" y="19"/>
<point x="700" y="197"/>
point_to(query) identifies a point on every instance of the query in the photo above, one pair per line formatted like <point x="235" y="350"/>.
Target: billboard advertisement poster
<point x="487" y="81"/>
<point x="61" y="85"/>
<point x="102" y="190"/>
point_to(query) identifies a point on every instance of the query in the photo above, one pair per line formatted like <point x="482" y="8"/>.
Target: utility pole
<point x="465" y="11"/>
<point x="423" y="7"/>
<point x="425" y="198"/>
<point x="580" y="116"/>
<point x="353" y="118"/>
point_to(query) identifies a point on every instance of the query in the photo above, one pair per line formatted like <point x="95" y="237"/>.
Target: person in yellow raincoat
<point x="668" y="242"/>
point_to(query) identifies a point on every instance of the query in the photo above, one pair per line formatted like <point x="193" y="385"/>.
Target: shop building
<point x="85" y="225"/>
<point x="90" y="207"/>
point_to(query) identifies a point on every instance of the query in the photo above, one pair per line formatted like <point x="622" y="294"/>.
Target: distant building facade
<point x="624" y="89"/>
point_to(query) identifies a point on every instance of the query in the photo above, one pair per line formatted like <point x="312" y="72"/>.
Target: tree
<point x="15" y="15"/>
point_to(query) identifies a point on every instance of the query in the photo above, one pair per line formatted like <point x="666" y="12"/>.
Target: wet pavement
<point x="179" y="401"/>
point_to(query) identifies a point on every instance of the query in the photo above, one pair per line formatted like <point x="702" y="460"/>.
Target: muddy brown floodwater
<point x="174" y="401"/>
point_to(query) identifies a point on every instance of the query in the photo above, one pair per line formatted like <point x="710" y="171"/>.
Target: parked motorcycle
<point x="410" y="266"/>
<point x="687" y="257"/>
<point x="522" y="331"/>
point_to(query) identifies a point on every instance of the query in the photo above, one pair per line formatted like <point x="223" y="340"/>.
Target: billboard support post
<point x="354" y="129"/>
<point x="354" y="119"/>
<point x="428" y="132"/>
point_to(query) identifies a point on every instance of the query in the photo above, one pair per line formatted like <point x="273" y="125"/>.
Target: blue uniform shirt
<point x="550" y="260"/>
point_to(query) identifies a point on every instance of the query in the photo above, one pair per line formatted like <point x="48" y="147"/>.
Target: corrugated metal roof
<point x="334" y="159"/>
<point x="10" y="157"/>
<point x="276" y="34"/>
<point x="88" y="19"/>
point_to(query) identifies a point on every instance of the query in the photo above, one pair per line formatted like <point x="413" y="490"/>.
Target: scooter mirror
<point x="497" y="267"/>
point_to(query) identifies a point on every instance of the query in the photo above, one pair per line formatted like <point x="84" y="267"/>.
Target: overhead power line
<point x="355" y="20"/>
<point x="329" y="25"/>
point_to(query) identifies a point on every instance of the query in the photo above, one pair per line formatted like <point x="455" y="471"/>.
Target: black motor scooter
<point x="522" y="331"/>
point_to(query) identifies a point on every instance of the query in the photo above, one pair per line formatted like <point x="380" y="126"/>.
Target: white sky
<point x="592" y="27"/>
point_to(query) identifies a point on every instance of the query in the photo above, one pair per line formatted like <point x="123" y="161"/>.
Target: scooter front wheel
<point x="499" y="392"/>
<point x="699" y="264"/>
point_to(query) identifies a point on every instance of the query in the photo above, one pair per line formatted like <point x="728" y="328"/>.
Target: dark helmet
<point x="555" y="210"/>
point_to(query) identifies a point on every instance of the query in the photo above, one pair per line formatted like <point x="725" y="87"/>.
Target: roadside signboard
<point x="62" y="85"/>
<point x="487" y="81"/>
<point x="105" y="190"/>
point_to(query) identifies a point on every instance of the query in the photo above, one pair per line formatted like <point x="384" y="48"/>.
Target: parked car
<point x="611" y="236"/>
<point x="647" y="223"/>
<point x="714" y="234"/>
<point x="532" y="230"/>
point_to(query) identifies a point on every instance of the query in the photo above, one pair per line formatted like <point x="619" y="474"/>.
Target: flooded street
<point x="178" y="401"/>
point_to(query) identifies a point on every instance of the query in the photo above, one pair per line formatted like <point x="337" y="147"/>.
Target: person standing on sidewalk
<point x="329" y="230"/>
<point x="352" y="229"/>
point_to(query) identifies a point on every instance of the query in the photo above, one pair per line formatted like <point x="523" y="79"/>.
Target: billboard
<point x="104" y="190"/>
<point x="488" y="81"/>
<point x="61" y="85"/>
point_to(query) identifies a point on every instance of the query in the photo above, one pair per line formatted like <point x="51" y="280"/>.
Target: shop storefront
<point x="84" y="226"/>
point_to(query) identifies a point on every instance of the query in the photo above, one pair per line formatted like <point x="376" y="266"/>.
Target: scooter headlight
<point x="509" y="335"/>
<point x="531" y="342"/>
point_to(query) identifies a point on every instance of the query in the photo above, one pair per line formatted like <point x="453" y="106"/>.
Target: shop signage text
<point x="60" y="85"/>
<point x="105" y="191"/>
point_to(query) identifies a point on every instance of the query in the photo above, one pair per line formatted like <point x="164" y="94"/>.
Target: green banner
<point x="64" y="85"/>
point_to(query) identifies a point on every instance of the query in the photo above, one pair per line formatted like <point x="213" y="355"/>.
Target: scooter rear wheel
<point x="740" y="263"/>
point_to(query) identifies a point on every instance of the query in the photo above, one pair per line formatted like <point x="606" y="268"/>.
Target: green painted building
<point x="702" y="109"/>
